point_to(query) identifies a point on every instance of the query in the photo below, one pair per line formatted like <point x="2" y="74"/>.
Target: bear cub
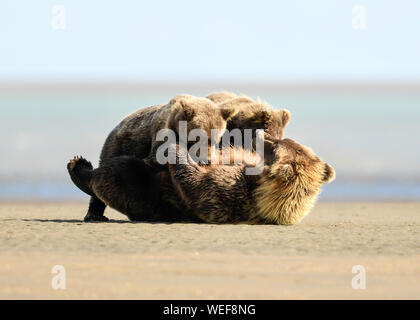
<point x="252" y="114"/>
<point x="136" y="134"/>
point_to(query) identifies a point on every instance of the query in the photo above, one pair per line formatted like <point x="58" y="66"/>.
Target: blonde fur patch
<point x="279" y="204"/>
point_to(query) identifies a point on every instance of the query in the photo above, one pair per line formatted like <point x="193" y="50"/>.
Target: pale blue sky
<point x="210" y="40"/>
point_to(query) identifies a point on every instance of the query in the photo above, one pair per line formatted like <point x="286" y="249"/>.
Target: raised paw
<point x="91" y="217"/>
<point x="78" y="163"/>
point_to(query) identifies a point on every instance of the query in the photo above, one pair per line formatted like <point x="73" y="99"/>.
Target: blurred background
<point x="348" y="71"/>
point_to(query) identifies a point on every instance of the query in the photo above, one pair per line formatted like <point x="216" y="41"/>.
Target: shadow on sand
<point x="92" y="222"/>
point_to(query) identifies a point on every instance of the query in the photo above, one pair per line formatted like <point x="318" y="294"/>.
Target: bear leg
<point x="96" y="211"/>
<point x="81" y="173"/>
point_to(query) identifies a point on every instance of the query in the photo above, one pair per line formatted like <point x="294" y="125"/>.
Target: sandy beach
<point x="124" y="260"/>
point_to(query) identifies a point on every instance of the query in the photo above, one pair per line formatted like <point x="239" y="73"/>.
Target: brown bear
<point x="252" y="114"/>
<point x="136" y="134"/>
<point x="257" y="115"/>
<point x="283" y="193"/>
<point x="129" y="185"/>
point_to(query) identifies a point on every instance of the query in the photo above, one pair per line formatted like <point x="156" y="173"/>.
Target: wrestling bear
<point x="136" y="134"/>
<point x="130" y="186"/>
<point x="252" y="114"/>
<point x="283" y="193"/>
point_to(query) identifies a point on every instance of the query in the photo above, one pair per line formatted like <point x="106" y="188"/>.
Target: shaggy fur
<point x="135" y="135"/>
<point x="283" y="194"/>
<point x="256" y="115"/>
<point x="252" y="114"/>
<point x="130" y="186"/>
<point x="221" y="96"/>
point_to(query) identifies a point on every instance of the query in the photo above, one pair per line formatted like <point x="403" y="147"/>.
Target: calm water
<point x="369" y="135"/>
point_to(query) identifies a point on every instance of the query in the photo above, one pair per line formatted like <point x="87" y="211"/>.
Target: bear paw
<point x="78" y="163"/>
<point x="91" y="217"/>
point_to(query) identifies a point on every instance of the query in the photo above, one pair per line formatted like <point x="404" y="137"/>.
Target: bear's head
<point x="201" y="113"/>
<point x="291" y="181"/>
<point x="257" y="115"/>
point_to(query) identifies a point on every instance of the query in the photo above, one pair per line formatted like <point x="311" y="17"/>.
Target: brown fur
<point x="128" y="185"/>
<point x="257" y="115"/>
<point x="135" y="135"/>
<point x="283" y="194"/>
<point x="141" y="127"/>
<point x="221" y="96"/>
<point x="299" y="174"/>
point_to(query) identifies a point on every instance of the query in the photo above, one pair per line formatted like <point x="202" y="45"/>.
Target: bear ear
<point x="179" y="97"/>
<point x="285" y="116"/>
<point x="228" y="111"/>
<point x="329" y="173"/>
<point x="286" y="172"/>
<point x="188" y="109"/>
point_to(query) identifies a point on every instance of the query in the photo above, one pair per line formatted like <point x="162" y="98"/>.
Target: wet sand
<point x="124" y="260"/>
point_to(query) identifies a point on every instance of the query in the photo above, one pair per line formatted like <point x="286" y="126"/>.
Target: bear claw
<point x="78" y="161"/>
